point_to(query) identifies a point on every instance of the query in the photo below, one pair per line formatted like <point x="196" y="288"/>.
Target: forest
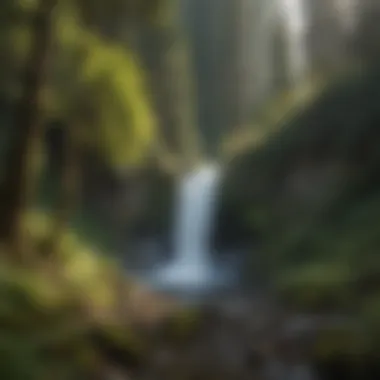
<point x="104" y="106"/>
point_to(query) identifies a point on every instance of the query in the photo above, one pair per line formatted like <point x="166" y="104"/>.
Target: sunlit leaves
<point x="94" y="84"/>
<point x="27" y="5"/>
<point x="124" y="123"/>
<point x="109" y="16"/>
<point x="97" y="86"/>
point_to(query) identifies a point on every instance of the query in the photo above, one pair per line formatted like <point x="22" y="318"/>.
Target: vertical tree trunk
<point x="20" y="177"/>
<point x="69" y="192"/>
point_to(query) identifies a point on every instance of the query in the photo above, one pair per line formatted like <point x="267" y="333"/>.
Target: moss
<point x="119" y="345"/>
<point x="340" y="342"/>
<point x="20" y="360"/>
<point x="369" y="314"/>
<point x="316" y="287"/>
<point x="51" y="313"/>
<point x="183" y="324"/>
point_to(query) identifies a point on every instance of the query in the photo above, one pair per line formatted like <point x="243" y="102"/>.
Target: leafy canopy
<point x="96" y="85"/>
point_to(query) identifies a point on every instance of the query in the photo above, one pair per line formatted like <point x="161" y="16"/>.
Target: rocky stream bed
<point x="234" y="339"/>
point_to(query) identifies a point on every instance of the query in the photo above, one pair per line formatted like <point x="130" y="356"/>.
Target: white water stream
<point x="192" y="265"/>
<point x="295" y="19"/>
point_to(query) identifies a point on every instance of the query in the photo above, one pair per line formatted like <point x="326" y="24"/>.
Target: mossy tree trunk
<point x="21" y="173"/>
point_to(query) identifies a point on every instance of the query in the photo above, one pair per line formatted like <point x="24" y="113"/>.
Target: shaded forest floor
<point x="79" y="317"/>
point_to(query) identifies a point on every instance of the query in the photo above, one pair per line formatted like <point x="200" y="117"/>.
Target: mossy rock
<point x="369" y="315"/>
<point x="19" y="359"/>
<point x="182" y="325"/>
<point x="316" y="287"/>
<point x="340" y="342"/>
<point x="43" y="312"/>
<point x="120" y="345"/>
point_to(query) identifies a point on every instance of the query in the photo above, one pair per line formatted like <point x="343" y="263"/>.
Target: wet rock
<point x="277" y="370"/>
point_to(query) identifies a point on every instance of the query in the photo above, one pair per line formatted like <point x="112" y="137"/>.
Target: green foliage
<point x="104" y="14"/>
<point x="341" y="341"/>
<point x="20" y="359"/>
<point x="48" y="313"/>
<point x="317" y="286"/>
<point x="78" y="262"/>
<point x="97" y="86"/>
<point x="30" y="323"/>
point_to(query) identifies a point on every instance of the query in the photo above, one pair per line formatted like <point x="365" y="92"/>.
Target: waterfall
<point x="295" y="19"/>
<point x="192" y="266"/>
<point x="250" y="57"/>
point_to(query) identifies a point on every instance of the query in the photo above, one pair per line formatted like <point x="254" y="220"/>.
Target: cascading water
<point x="192" y="265"/>
<point x="294" y="15"/>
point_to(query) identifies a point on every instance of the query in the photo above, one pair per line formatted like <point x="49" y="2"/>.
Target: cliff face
<point x="310" y="173"/>
<point x="232" y="49"/>
<point x="245" y="52"/>
<point x="310" y="195"/>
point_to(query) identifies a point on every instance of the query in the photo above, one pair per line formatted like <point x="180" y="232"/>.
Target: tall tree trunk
<point x="68" y="192"/>
<point x="20" y="177"/>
